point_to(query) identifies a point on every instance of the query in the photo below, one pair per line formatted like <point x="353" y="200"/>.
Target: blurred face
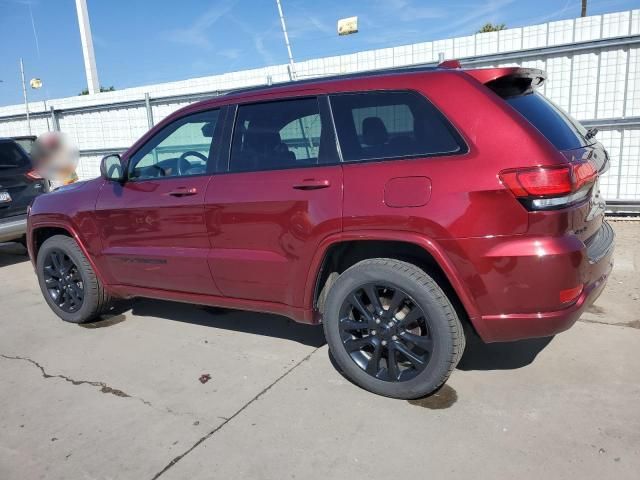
<point x="55" y="158"/>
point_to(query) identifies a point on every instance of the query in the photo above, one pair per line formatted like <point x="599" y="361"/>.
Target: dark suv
<point x="394" y="207"/>
<point x="19" y="185"/>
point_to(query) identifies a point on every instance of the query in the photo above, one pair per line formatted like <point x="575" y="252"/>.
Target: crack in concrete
<point x="631" y="324"/>
<point x="235" y="414"/>
<point x="104" y="388"/>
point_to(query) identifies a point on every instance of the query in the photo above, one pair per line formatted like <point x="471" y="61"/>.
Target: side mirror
<point x="112" y="168"/>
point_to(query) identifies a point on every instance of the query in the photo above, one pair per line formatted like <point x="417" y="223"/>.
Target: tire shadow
<point x="12" y="253"/>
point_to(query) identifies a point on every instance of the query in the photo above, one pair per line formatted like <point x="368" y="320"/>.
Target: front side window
<point x="274" y="135"/>
<point x="183" y="148"/>
<point x="381" y="125"/>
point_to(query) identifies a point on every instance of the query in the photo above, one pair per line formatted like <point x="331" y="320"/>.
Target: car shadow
<point x="500" y="356"/>
<point x="235" y="320"/>
<point x="477" y="355"/>
<point x="12" y="253"/>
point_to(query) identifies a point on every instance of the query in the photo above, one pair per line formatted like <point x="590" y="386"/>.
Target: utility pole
<point x="24" y="93"/>
<point x="292" y="71"/>
<point x="583" y="12"/>
<point x="93" y="84"/>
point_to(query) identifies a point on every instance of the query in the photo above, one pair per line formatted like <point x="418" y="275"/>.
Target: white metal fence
<point x="593" y="66"/>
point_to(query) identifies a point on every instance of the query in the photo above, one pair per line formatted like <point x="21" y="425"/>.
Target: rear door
<point x="281" y="196"/>
<point x="576" y="143"/>
<point x="18" y="184"/>
<point x="152" y="226"/>
<point x="391" y="142"/>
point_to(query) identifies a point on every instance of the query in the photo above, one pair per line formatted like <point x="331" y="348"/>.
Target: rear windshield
<point x="12" y="156"/>
<point x="26" y="143"/>
<point x="559" y="127"/>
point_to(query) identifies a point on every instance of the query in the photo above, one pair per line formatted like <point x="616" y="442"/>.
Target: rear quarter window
<point x="386" y="125"/>
<point x="563" y="131"/>
<point x="12" y="156"/>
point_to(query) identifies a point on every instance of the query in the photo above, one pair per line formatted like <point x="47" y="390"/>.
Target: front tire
<point x="68" y="282"/>
<point x="391" y="329"/>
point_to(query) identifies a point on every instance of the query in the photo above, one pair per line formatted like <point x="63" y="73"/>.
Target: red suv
<point x="393" y="207"/>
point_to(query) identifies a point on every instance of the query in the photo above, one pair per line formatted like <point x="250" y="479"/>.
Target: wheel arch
<point x="39" y="233"/>
<point x="340" y="252"/>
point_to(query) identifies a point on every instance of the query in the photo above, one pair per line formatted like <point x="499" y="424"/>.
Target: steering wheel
<point x="160" y="170"/>
<point x="183" y="158"/>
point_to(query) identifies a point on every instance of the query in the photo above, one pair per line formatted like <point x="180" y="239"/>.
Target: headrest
<point x="262" y="140"/>
<point x="374" y="132"/>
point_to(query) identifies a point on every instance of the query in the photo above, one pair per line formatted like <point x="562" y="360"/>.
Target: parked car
<point x="19" y="185"/>
<point x="394" y="207"/>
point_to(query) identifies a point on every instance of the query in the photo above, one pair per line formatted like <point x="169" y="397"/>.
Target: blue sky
<point x="138" y="42"/>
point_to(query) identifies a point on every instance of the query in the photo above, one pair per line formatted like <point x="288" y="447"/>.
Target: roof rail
<point x="341" y="76"/>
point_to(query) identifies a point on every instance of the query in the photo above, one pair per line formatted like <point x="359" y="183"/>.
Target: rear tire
<point x="68" y="282"/>
<point x="411" y="324"/>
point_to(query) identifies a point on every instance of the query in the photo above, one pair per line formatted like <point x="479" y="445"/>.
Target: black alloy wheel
<point x="385" y="332"/>
<point x="63" y="281"/>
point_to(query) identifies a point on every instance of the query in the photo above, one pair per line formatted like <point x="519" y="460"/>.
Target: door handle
<point x="312" y="184"/>
<point x="183" y="192"/>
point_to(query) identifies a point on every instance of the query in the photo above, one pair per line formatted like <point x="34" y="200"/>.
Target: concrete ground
<point x="122" y="398"/>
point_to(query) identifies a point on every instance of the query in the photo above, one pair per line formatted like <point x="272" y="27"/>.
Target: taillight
<point x="570" y="294"/>
<point x="33" y="175"/>
<point x="550" y="186"/>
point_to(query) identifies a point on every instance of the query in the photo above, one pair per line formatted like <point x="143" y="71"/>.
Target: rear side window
<point x="275" y="135"/>
<point x="12" y="156"/>
<point x="560" y="129"/>
<point x="383" y="125"/>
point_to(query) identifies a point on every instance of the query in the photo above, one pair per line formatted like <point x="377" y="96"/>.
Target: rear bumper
<point x="506" y="328"/>
<point x="13" y="228"/>
<point x="516" y="282"/>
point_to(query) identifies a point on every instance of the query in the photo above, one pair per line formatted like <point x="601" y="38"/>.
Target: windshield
<point x="559" y="127"/>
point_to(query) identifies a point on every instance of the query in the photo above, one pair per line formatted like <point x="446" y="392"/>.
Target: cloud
<point x="407" y="11"/>
<point x="322" y="26"/>
<point x="267" y="57"/>
<point x="197" y="34"/>
<point x="474" y="19"/>
<point x="568" y="6"/>
<point x="258" y="37"/>
<point x="99" y="41"/>
<point x="230" y="53"/>
<point x="20" y="2"/>
<point x="305" y="22"/>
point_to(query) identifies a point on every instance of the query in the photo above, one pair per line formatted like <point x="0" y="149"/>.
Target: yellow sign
<point x="347" y="26"/>
<point x="35" y="83"/>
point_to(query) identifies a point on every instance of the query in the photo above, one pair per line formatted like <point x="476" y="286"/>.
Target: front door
<point x="152" y="226"/>
<point x="281" y="197"/>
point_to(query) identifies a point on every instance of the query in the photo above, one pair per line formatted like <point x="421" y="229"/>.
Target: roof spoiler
<point x="450" y="64"/>
<point x="509" y="81"/>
